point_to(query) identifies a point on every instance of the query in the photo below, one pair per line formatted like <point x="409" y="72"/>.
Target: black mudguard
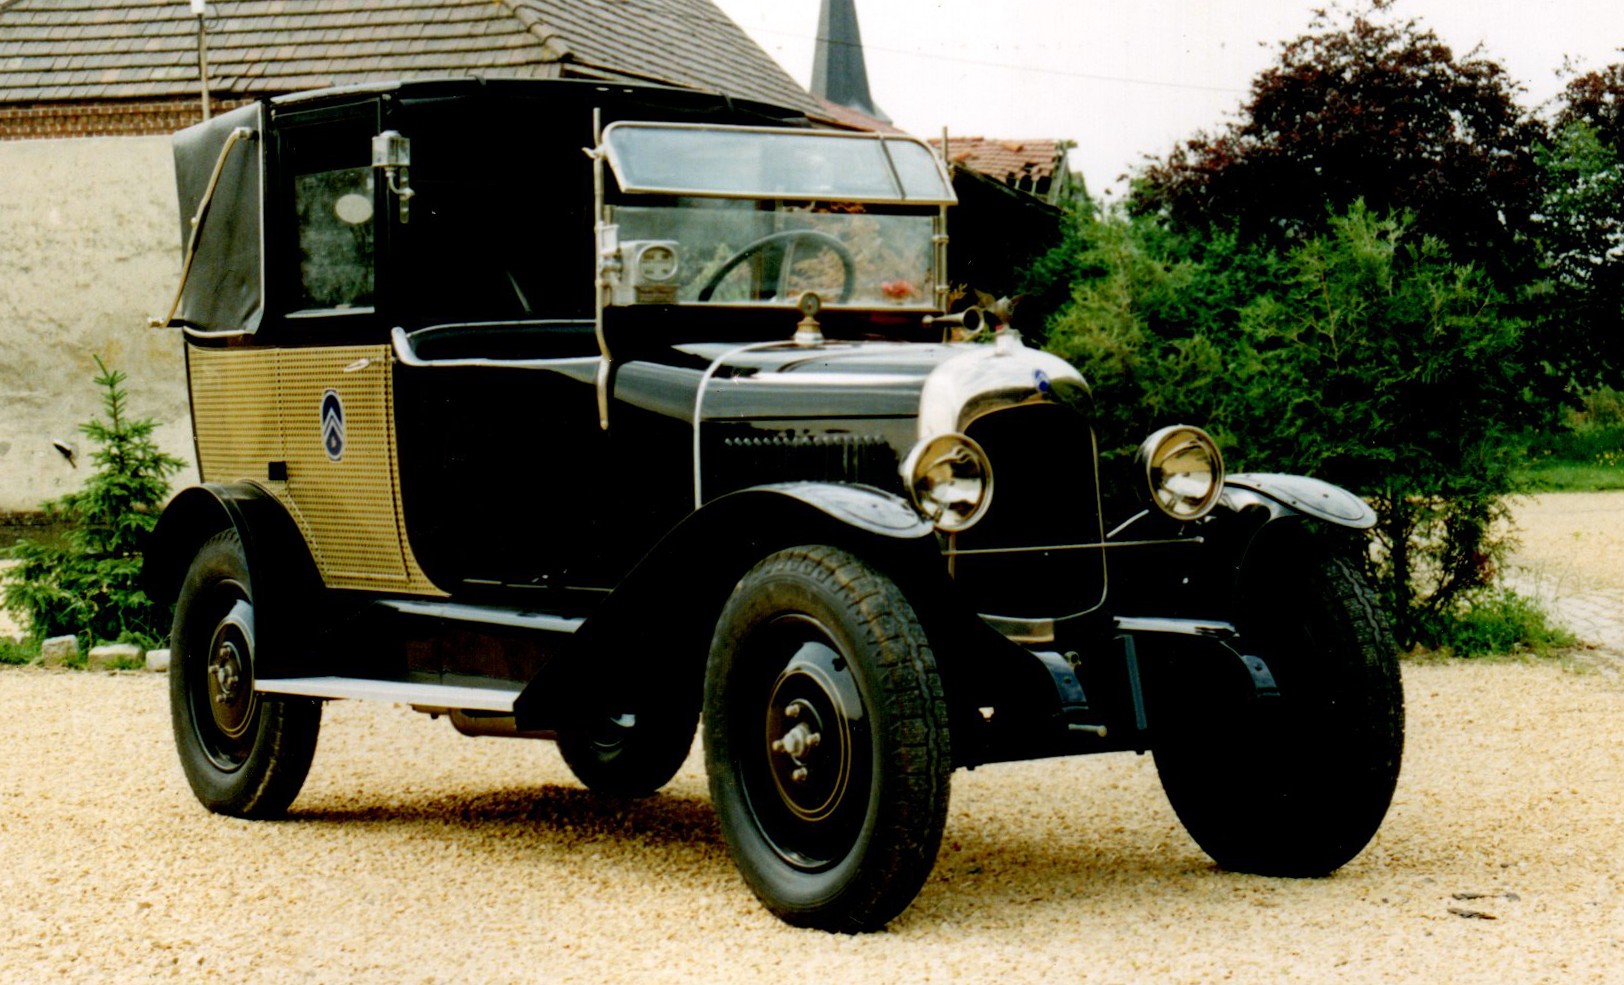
<point x="1178" y="596"/>
<point x="666" y="608"/>
<point x="284" y="575"/>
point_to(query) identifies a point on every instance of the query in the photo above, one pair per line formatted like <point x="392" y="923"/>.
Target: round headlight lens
<point x="950" y="480"/>
<point x="1184" y="470"/>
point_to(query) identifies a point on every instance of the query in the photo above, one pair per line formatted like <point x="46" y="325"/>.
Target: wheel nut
<point x="799" y="776"/>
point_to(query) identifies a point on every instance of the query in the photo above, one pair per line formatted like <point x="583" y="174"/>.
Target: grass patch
<point x="1497" y="621"/>
<point x="1560" y="476"/>
<point x="1584" y="454"/>
<point x="127" y="663"/>
<point x="14" y="653"/>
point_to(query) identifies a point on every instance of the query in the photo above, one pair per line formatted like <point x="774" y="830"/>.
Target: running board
<point x="489" y="615"/>
<point x="398" y="692"/>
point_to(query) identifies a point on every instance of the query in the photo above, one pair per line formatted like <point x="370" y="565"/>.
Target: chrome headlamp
<point x="1183" y="471"/>
<point x="950" y="480"/>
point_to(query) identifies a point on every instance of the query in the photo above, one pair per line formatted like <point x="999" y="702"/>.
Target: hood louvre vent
<point x="759" y="459"/>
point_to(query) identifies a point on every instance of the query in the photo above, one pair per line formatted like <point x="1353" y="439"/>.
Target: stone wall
<point x="89" y="249"/>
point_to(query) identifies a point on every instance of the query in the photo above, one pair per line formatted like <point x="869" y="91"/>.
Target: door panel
<point x="260" y="418"/>
<point x="339" y="442"/>
<point x="504" y="474"/>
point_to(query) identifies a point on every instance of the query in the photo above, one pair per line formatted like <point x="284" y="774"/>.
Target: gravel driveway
<point x="418" y="855"/>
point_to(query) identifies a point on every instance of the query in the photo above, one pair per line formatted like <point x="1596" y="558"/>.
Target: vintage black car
<point x="592" y="412"/>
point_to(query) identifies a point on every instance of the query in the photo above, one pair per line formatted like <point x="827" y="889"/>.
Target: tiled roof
<point x="75" y="50"/>
<point x="851" y="119"/>
<point x="1009" y="161"/>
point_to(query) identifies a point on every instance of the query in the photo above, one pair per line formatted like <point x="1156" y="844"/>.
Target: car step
<point x="488" y="615"/>
<point x="398" y="692"/>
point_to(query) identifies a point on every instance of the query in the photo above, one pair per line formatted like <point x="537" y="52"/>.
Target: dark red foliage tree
<point x="1364" y="108"/>
<point x="1596" y="98"/>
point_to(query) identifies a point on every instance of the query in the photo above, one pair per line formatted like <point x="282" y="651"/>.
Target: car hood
<point x="783" y="381"/>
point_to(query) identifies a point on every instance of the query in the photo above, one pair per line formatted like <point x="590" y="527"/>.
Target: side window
<point x="330" y="237"/>
<point x="334" y="212"/>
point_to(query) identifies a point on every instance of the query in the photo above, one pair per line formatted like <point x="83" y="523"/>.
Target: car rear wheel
<point x="1294" y="785"/>
<point x="244" y="753"/>
<point x="826" y="740"/>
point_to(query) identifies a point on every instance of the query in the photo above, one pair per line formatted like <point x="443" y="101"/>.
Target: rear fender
<point x="279" y="563"/>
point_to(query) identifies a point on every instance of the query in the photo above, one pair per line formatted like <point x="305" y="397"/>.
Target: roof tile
<point x="57" y="49"/>
<point x="1008" y="161"/>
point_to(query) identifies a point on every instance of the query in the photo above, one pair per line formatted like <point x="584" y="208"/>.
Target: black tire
<point x="635" y="731"/>
<point x="819" y="665"/>
<point x="1295" y="785"/>
<point x="244" y="754"/>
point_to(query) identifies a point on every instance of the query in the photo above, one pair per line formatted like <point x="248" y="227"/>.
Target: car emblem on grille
<point x="332" y="425"/>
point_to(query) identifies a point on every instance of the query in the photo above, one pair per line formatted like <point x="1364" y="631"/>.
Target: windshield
<point x="751" y="215"/>
<point x="730" y="252"/>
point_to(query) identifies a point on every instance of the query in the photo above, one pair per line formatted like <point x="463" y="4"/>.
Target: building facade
<point x="89" y="93"/>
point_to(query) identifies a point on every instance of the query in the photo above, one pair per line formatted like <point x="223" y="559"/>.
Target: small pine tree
<point x="91" y="586"/>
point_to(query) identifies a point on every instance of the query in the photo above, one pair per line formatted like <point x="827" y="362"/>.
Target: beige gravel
<point x="418" y="855"/>
<point x="1575" y="539"/>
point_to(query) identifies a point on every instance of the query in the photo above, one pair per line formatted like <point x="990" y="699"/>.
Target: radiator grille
<point x="1045" y="495"/>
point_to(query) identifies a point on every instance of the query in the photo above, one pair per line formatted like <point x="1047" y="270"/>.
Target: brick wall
<point x="116" y="118"/>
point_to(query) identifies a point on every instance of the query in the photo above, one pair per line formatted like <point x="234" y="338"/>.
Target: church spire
<point x="838" y="72"/>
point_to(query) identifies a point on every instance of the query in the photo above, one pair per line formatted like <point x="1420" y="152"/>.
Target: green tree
<point x="1365" y="356"/>
<point x="1392" y="370"/>
<point x="91" y="586"/>
<point x="1582" y="241"/>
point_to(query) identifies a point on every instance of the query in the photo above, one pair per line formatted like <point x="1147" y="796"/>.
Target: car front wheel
<point x="1293" y="785"/>
<point x="826" y="740"/>
<point x="243" y="753"/>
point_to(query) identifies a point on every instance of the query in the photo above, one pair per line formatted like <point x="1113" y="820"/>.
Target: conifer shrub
<point x="89" y="585"/>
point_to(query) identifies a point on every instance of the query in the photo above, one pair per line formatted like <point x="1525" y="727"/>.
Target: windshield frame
<point x="628" y="184"/>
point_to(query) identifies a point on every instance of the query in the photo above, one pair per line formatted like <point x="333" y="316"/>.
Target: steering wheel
<point x="847" y="265"/>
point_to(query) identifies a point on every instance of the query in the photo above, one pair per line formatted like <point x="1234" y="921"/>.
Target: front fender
<point x="1194" y="570"/>
<point x="1300" y="493"/>
<point x="703" y="556"/>
<point x="666" y="608"/>
<point x="871" y="511"/>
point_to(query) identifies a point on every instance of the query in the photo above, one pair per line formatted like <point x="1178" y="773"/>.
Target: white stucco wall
<point x="89" y="250"/>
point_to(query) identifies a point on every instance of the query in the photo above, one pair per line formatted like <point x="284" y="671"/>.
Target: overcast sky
<point x="1128" y="78"/>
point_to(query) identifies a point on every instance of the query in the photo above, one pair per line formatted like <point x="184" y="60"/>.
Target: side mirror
<point x="393" y="153"/>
